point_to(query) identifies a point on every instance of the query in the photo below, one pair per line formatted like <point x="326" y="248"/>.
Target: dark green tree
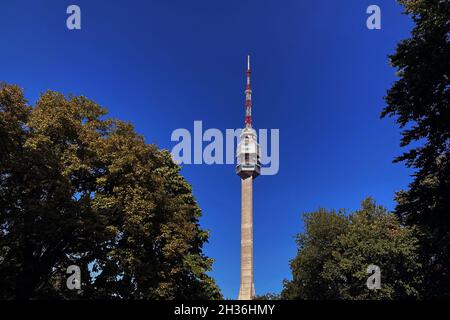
<point x="420" y="102"/>
<point x="375" y="237"/>
<point x="267" y="296"/>
<point x="77" y="188"/>
<point x="335" y="251"/>
<point x="315" y="248"/>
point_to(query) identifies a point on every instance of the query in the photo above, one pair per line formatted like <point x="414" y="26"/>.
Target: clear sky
<point x="318" y="75"/>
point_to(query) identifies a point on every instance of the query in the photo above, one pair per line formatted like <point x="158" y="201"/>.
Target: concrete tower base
<point x="247" y="288"/>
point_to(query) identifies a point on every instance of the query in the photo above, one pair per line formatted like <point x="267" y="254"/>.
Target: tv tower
<point x="248" y="167"/>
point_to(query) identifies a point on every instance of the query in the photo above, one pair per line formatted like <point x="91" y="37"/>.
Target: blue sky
<point x="318" y="75"/>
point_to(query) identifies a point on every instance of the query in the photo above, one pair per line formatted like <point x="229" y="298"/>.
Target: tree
<point x="79" y="189"/>
<point x="336" y="249"/>
<point x="420" y="102"/>
<point x="315" y="248"/>
<point x="267" y="296"/>
<point x="375" y="237"/>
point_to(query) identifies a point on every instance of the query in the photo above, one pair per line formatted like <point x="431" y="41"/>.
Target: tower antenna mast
<point x="248" y="98"/>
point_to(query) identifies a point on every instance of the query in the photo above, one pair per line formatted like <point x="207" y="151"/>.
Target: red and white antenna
<point x="248" y="98"/>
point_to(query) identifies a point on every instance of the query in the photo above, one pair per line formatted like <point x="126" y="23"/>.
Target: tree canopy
<point x="77" y="188"/>
<point x="420" y="103"/>
<point x="335" y="250"/>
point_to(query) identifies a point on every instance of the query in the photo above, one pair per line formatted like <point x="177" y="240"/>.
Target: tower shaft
<point x="247" y="290"/>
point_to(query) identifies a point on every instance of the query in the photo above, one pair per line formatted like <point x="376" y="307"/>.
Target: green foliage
<point x="335" y="251"/>
<point x="76" y="188"/>
<point x="420" y="102"/>
<point x="267" y="296"/>
<point x="315" y="248"/>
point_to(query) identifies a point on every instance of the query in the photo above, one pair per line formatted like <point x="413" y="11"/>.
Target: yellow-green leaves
<point x="80" y="189"/>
